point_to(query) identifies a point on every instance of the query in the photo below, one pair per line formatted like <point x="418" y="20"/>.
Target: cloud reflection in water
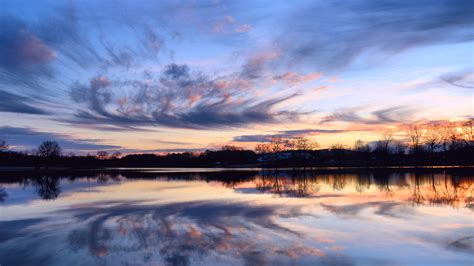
<point x="252" y="218"/>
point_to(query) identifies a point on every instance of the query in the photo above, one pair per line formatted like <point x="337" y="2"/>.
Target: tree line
<point x="420" y="144"/>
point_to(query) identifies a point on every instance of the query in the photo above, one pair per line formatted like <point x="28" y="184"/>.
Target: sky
<point x="171" y="76"/>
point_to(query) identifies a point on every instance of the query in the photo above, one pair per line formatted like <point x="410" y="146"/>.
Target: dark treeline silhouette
<point x="444" y="144"/>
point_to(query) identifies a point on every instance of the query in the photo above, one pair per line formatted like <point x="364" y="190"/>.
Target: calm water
<point x="351" y="217"/>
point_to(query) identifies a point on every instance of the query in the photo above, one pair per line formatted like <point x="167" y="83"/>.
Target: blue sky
<point x="176" y="75"/>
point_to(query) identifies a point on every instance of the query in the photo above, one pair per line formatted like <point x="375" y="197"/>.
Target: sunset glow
<point x="164" y="76"/>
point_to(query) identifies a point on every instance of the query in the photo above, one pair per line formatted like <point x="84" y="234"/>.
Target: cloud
<point x="209" y="226"/>
<point x="177" y="98"/>
<point x="389" y="209"/>
<point x="27" y="138"/>
<point x="229" y="24"/>
<point x="21" y="50"/>
<point x="223" y="24"/>
<point x="292" y="78"/>
<point x="38" y="50"/>
<point x="243" y="28"/>
<point x="255" y="66"/>
<point x="13" y="103"/>
<point x="333" y="34"/>
<point x="164" y="151"/>
<point x="464" y="79"/>
<point x="397" y="114"/>
<point x="286" y="134"/>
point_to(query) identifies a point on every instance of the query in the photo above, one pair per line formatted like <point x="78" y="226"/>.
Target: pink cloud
<point x="243" y="28"/>
<point x="223" y="24"/>
<point x="293" y="78"/>
<point x="32" y="50"/>
<point x="100" y="82"/>
<point x="230" y="25"/>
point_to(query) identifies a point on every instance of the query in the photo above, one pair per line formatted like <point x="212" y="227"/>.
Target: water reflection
<point x="3" y="194"/>
<point x="178" y="231"/>
<point x="350" y="217"/>
<point x="453" y="187"/>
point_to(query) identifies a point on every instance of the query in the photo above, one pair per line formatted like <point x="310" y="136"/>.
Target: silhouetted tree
<point x="231" y="148"/>
<point x="415" y="134"/>
<point x="363" y="150"/>
<point x="263" y="149"/>
<point x="102" y="155"/>
<point x="304" y="144"/>
<point x="432" y="139"/>
<point x="468" y="130"/>
<point x="360" y="146"/>
<point x="337" y="146"/>
<point x="302" y="148"/>
<point x="338" y="150"/>
<point x="116" y="155"/>
<point x="387" y="139"/>
<point x="49" y="149"/>
<point x="453" y="135"/>
<point x="277" y="146"/>
<point x="443" y="131"/>
<point x="382" y="147"/>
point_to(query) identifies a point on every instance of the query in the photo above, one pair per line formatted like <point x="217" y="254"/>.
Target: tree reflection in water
<point x="3" y="194"/>
<point x="433" y="187"/>
<point x="47" y="187"/>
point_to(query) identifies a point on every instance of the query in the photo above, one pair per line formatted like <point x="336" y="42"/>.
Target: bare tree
<point x="304" y="144"/>
<point x="432" y="138"/>
<point x="263" y="149"/>
<point x="301" y="144"/>
<point x="387" y="138"/>
<point x="361" y="146"/>
<point x="383" y="145"/>
<point x="363" y="149"/>
<point x="453" y="135"/>
<point x="302" y="147"/>
<point x="231" y="148"/>
<point x="49" y="149"/>
<point x="468" y="130"/>
<point x="116" y="155"/>
<point x="338" y="152"/>
<point x="443" y="131"/>
<point x="290" y="144"/>
<point x="337" y="146"/>
<point x="415" y="134"/>
<point x="102" y="155"/>
<point x="277" y="146"/>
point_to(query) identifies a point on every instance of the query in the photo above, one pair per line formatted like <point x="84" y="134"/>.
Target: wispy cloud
<point x="333" y="34"/>
<point x="396" y="114"/>
<point x="464" y="79"/>
<point x="286" y="134"/>
<point x="177" y="98"/>
<point x="13" y="103"/>
<point x="124" y="66"/>
<point x="27" y="138"/>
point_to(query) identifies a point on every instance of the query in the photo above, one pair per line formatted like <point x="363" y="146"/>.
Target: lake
<point x="237" y="217"/>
